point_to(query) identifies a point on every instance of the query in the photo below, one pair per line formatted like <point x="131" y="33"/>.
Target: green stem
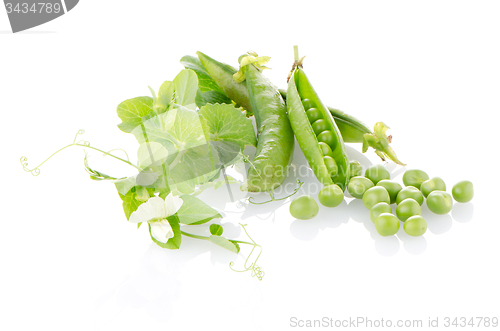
<point x="116" y="157"/>
<point x="296" y="53"/>
<point x="208" y="238"/>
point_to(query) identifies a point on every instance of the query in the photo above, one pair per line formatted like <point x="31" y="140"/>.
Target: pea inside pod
<point x="316" y="132"/>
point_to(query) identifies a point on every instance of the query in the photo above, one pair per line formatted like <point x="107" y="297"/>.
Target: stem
<point x="296" y="53"/>
<point x="99" y="150"/>
<point x="208" y="238"/>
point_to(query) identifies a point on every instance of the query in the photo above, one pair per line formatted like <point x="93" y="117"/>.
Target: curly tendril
<point x="82" y="143"/>
<point x="256" y="271"/>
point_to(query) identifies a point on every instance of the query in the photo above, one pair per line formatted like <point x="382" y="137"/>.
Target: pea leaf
<point x="225" y="243"/>
<point x="132" y="111"/>
<point x="227" y="123"/>
<point x="175" y="241"/>
<point x="130" y="203"/>
<point x="194" y="211"/>
<point x="216" y="229"/>
<point x="186" y="86"/>
<point x="165" y="96"/>
<point x="151" y="154"/>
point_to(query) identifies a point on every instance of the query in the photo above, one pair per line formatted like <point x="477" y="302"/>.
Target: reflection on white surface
<point x="462" y="212"/>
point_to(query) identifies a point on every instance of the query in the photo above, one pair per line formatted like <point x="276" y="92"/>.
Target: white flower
<point x="155" y="211"/>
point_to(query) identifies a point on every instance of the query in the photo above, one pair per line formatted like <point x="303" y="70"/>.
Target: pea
<point x="392" y="187"/>
<point x="358" y="186"/>
<point x="387" y="224"/>
<point x="433" y="184"/>
<point x="356" y="168"/>
<point x="331" y="195"/>
<point x="319" y="126"/>
<point x="304" y="207"/>
<point x="463" y="191"/>
<point x="325" y="149"/>
<point x="378" y="209"/>
<point x="376" y="173"/>
<point x="414" y="177"/>
<point x="375" y="195"/>
<point x="313" y="114"/>
<point x="415" y="226"/>
<point x="307" y="104"/>
<point x="410" y="192"/>
<point x="408" y="208"/>
<point x="328" y="138"/>
<point x="439" y="202"/>
<point x="331" y="165"/>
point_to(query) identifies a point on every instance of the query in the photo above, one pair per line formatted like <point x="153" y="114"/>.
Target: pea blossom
<point x="155" y="212"/>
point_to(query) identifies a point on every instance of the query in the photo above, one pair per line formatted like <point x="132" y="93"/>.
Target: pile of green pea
<point x="378" y="192"/>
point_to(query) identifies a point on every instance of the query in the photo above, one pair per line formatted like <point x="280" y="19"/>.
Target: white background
<point x="70" y="261"/>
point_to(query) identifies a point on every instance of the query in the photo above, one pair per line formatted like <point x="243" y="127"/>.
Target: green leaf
<point x="132" y="111"/>
<point x="227" y="123"/>
<point x="175" y="241"/>
<point x="225" y="243"/>
<point x="194" y="211"/>
<point x="130" y="203"/>
<point x="124" y="185"/>
<point x="186" y="86"/>
<point x="165" y="96"/>
<point x="216" y="229"/>
<point x="151" y="154"/>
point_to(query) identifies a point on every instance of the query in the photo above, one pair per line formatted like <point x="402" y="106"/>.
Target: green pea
<point x="414" y="177"/>
<point x="378" y="209"/>
<point x="328" y="138"/>
<point x="376" y="173"/>
<point x="325" y="149"/>
<point x="331" y="165"/>
<point x="358" y="186"/>
<point x="387" y="224"/>
<point x="356" y="168"/>
<point x="392" y="187"/>
<point x="408" y="208"/>
<point x="304" y="207"/>
<point x="313" y="114"/>
<point x="375" y="195"/>
<point x="410" y="192"/>
<point x="433" y="184"/>
<point x="319" y="126"/>
<point x="331" y="196"/>
<point x="439" y="202"/>
<point x="463" y="191"/>
<point x="415" y="226"/>
<point x="307" y="104"/>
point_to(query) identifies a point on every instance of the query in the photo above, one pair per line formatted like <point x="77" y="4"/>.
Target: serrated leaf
<point x="225" y="243"/>
<point x="175" y="241"/>
<point x="194" y="211"/>
<point x="186" y="86"/>
<point x="132" y="111"/>
<point x="216" y="229"/>
<point x="227" y="123"/>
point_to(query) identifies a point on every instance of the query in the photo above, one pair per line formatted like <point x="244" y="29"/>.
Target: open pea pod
<point x="316" y="132"/>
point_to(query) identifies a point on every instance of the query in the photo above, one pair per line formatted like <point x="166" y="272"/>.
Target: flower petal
<point x="172" y="204"/>
<point x="153" y="209"/>
<point x="161" y="230"/>
<point x="158" y="210"/>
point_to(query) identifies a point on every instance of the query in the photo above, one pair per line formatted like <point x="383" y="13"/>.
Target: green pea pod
<point x="222" y="74"/>
<point x="310" y="128"/>
<point x="275" y="137"/>
<point x="351" y="129"/>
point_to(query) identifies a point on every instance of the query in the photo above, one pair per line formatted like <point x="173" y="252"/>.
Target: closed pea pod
<point x="314" y="128"/>
<point x="275" y="137"/>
